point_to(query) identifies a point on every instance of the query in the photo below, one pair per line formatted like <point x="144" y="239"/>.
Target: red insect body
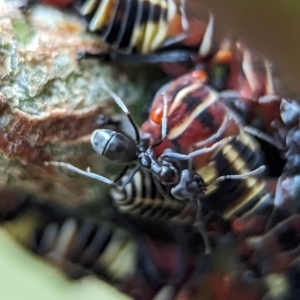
<point x="221" y="285"/>
<point x="275" y="250"/>
<point x="196" y="118"/>
<point x="250" y="77"/>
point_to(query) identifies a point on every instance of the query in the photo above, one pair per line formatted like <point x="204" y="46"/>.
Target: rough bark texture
<point x="50" y="102"/>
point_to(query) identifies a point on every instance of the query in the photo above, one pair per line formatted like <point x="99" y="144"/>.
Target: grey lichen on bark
<point x="50" y="102"/>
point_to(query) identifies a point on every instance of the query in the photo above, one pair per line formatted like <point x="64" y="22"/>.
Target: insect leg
<point x="185" y="27"/>
<point x="207" y="41"/>
<point x="179" y="156"/>
<point x="129" y="176"/>
<point x="270" y="89"/>
<point x="248" y="68"/>
<point x="253" y="173"/>
<point x="168" y="56"/>
<point x="261" y="135"/>
<point x="201" y="228"/>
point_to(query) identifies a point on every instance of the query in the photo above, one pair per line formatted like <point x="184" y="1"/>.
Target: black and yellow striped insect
<point x="129" y="255"/>
<point x="205" y="162"/>
<point x="144" y="196"/>
<point x="145" y="31"/>
<point x="197" y="117"/>
<point x="78" y="245"/>
<point x="149" y="30"/>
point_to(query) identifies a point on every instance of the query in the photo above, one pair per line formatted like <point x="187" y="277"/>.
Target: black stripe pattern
<point x="78" y="245"/>
<point x="146" y="197"/>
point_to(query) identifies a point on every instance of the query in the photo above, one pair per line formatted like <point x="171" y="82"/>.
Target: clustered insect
<point x="146" y="31"/>
<point x="110" y="249"/>
<point x="197" y="158"/>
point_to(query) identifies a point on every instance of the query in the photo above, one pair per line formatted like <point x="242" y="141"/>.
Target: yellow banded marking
<point x="66" y="234"/>
<point x="211" y="98"/>
<point x="21" y="228"/>
<point x="215" y="137"/>
<point x="113" y="248"/>
<point x="99" y="18"/>
<point x="252" y="185"/>
<point x="125" y="262"/>
<point x="150" y="30"/>
<point x="88" y="7"/>
<point x="162" y="29"/>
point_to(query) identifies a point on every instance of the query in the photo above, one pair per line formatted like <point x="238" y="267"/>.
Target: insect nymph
<point x="145" y="31"/>
<point x="197" y="118"/>
<point x="183" y="182"/>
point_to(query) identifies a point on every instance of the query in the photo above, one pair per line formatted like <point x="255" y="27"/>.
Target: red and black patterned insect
<point x="197" y="117"/>
<point x="276" y="250"/>
<point x="170" y="176"/>
<point x="235" y="68"/>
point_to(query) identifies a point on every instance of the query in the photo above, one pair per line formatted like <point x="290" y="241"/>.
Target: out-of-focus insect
<point x="222" y="285"/>
<point x="113" y="250"/>
<point x="235" y="68"/>
<point x="286" y="134"/>
<point x="198" y="117"/>
<point x="176" y="182"/>
<point x="286" y="130"/>
<point x="145" y="31"/>
<point x="150" y="31"/>
<point x="80" y="246"/>
<point x="274" y="252"/>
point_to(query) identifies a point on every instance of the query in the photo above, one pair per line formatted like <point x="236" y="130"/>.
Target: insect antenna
<point x="81" y="172"/>
<point x="122" y="105"/>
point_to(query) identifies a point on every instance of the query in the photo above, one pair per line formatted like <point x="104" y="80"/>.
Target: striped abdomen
<point x="235" y="197"/>
<point x="146" y="197"/>
<point x="77" y="245"/>
<point x="196" y="117"/>
<point x="144" y="26"/>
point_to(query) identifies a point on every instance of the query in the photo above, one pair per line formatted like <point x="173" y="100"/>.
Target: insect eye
<point x="199" y="74"/>
<point x="156" y="115"/>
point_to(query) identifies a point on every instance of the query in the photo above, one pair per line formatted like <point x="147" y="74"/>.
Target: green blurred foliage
<point x="24" y="276"/>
